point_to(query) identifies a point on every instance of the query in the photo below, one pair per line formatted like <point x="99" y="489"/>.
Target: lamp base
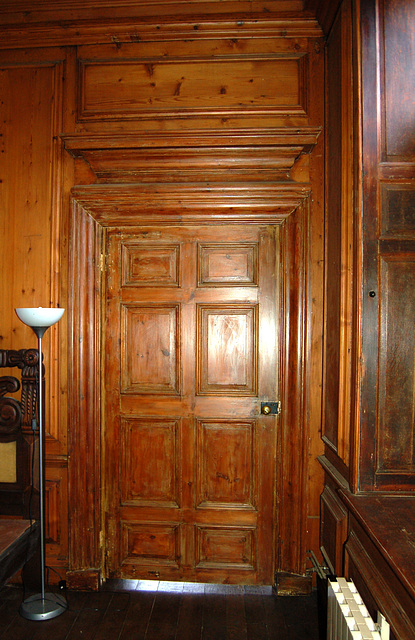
<point x="38" y="608"/>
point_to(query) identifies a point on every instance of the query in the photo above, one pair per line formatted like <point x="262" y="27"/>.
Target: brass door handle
<point x="270" y="408"/>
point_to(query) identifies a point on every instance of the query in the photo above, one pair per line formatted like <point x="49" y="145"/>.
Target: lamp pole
<point x="41" y="606"/>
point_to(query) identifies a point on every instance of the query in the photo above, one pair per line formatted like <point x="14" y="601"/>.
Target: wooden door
<point x="190" y="351"/>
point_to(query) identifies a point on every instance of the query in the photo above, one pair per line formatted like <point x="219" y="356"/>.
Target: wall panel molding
<point x="150" y="29"/>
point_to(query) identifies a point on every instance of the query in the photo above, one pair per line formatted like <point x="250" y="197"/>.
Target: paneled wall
<point x="214" y="116"/>
<point x="369" y="354"/>
<point x="367" y="505"/>
<point x="388" y="398"/>
<point x="31" y="120"/>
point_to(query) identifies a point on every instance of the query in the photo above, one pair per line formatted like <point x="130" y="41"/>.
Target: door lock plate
<point x="270" y="408"/>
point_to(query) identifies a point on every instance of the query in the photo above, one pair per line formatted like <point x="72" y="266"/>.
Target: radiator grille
<point x="347" y="616"/>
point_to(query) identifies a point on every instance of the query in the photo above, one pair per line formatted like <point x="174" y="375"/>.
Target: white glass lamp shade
<point x="40" y="316"/>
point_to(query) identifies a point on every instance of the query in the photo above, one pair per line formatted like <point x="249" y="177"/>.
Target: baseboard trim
<point x="88" y="580"/>
<point x="292" y="584"/>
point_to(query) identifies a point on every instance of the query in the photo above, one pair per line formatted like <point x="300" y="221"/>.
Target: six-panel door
<point x="190" y="350"/>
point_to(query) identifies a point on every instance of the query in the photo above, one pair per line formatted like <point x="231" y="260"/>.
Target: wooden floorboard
<point x="149" y="610"/>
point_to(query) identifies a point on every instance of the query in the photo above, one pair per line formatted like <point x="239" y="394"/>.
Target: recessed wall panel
<point x="154" y="87"/>
<point x="396" y="430"/>
<point x="396" y="79"/>
<point x="398" y="210"/>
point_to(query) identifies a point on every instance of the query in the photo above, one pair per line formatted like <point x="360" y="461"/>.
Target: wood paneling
<point x="388" y="257"/>
<point x="333" y="529"/>
<point x="160" y="26"/>
<point x="13" y="11"/>
<point x="84" y="483"/>
<point x="228" y="144"/>
<point x="259" y="155"/>
<point x="395" y="440"/>
<point x="378" y="584"/>
<point x="396" y="63"/>
<point x="379" y="550"/>
<point x="30" y="116"/>
<point x="225" y="548"/>
<point x="28" y="193"/>
<point x="339" y="208"/>
<point x="397" y="210"/>
<point x="151" y="265"/>
<point x="154" y="88"/>
<point x="227" y="265"/>
<point x="197" y="84"/>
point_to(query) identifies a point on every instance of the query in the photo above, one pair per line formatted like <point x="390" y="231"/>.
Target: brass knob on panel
<point x="266" y="409"/>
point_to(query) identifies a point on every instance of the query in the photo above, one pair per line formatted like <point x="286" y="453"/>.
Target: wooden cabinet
<point x="368" y="424"/>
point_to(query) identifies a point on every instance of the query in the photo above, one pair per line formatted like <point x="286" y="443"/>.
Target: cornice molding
<point x="150" y="29"/>
<point x="249" y="155"/>
<point x="138" y="204"/>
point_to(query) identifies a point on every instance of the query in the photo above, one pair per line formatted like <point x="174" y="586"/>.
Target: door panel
<point x="190" y="349"/>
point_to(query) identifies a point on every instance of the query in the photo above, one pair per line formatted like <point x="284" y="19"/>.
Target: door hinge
<point x="102" y="262"/>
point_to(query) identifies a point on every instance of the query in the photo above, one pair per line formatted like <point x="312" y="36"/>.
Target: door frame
<point x="96" y="206"/>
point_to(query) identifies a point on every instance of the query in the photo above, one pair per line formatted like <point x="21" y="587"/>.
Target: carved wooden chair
<point x="18" y="532"/>
<point x="16" y="434"/>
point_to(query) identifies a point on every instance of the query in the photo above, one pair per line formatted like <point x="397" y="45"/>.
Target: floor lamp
<point x="42" y="606"/>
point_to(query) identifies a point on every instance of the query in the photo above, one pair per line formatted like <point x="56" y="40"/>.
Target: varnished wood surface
<point x="390" y="523"/>
<point x="209" y="85"/>
<point x="18" y="539"/>
<point x="132" y="610"/>
<point x="10" y="531"/>
<point x="190" y="352"/>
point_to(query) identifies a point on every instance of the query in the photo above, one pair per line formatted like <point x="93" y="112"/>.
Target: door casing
<point x="92" y="211"/>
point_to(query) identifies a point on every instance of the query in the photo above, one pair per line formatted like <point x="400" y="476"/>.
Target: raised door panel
<point x="150" y="265"/>
<point x="149" y="357"/>
<point x="155" y="546"/>
<point x="227" y="354"/>
<point x="226" y="464"/>
<point x="225" y="548"/>
<point x="154" y="481"/>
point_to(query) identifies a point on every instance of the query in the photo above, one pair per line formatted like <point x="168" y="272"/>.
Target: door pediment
<point x="136" y="204"/>
<point x="214" y="156"/>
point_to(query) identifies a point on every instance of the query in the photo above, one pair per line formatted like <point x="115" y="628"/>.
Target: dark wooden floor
<point x="141" y="610"/>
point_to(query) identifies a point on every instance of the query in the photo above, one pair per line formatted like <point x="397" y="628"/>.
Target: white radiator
<point x="347" y="616"/>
